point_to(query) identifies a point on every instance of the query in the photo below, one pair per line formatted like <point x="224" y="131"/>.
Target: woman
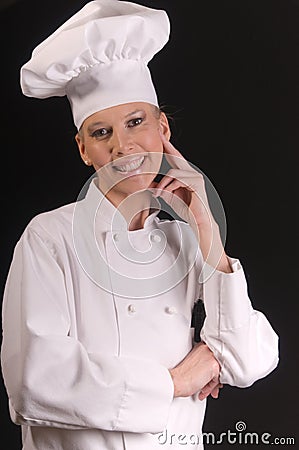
<point x="98" y="350"/>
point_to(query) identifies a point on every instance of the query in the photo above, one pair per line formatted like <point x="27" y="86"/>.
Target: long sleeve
<point x="241" y="338"/>
<point x="50" y="378"/>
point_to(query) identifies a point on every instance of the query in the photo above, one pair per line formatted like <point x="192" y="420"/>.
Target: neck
<point x="135" y="208"/>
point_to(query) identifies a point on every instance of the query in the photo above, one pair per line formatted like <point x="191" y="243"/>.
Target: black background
<point x="230" y="78"/>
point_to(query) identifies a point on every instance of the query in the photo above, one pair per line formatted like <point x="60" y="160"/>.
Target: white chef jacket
<point x="85" y="353"/>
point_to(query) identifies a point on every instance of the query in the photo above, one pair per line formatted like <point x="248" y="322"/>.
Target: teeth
<point x="129" y="167"/>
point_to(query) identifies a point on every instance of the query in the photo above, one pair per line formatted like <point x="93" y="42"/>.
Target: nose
<point x="121" y="143"/>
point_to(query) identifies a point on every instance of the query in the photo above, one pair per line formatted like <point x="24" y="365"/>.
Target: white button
<point x="156" y="238"/>
<point x="131" y="309"/>
<point x="170" y="310"/>
<point x="116" y="237"/>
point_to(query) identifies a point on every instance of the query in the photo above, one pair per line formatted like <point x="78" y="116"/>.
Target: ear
<point x="80" y="143"/>
<point x="164" y="125"/>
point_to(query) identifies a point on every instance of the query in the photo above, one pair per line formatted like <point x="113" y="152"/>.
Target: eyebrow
<point x="134" y="112"/>
<point x="101" y="123"/>
<point x="94" y="124"/>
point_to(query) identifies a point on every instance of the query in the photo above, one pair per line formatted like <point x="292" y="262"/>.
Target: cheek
<point x="153" y="145"/>
<point x="100" y="162"/>
<point x="99" y="156"/>
<point x="152" y="142"/>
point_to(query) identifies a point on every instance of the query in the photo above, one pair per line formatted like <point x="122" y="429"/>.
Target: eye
<point x="100" y="133"/>
<point x="135" y="122"/>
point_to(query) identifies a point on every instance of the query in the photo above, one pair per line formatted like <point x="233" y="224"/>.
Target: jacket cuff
<point x="226" y="300"/>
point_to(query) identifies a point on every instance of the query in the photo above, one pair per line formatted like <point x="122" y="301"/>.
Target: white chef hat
<point x="99" y="57"/>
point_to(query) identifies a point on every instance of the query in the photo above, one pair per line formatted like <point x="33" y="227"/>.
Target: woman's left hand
<point x="183" y="189"/>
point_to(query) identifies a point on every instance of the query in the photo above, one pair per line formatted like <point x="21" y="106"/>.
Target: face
<point x="123" y="144"/>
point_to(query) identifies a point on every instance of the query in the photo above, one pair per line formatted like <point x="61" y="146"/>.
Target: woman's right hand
<point x="198" y="373"/>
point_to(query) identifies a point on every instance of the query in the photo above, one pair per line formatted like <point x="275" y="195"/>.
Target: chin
<point x="135" y="183"/>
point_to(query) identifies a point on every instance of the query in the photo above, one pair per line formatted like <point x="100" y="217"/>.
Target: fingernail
<point x="153" y="191"/>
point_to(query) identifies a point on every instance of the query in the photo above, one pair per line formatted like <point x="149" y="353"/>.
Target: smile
<point x="130" y="166"/>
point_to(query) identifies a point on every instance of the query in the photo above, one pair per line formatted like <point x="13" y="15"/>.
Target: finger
<point x="208" y="389"/>
<point x="187" y="178"/>
<point x="153" y="185"/>
<point x="203" y="396"/>
<point x="173" y="156"/>
<point x="169" y="147"/>
<point x="216" y="391"/>
<point x="210" y="385"/>
<point x="171" y="185"/>
<point x="163" y="183"/>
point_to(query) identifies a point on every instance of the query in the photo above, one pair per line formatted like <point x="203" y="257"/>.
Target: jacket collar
<point x="106" y="216"/>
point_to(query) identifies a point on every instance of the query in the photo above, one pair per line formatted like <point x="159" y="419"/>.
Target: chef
<point x="98" y="351"/>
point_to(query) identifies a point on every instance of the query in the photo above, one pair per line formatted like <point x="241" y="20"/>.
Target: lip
<point x="130" y="165"/>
